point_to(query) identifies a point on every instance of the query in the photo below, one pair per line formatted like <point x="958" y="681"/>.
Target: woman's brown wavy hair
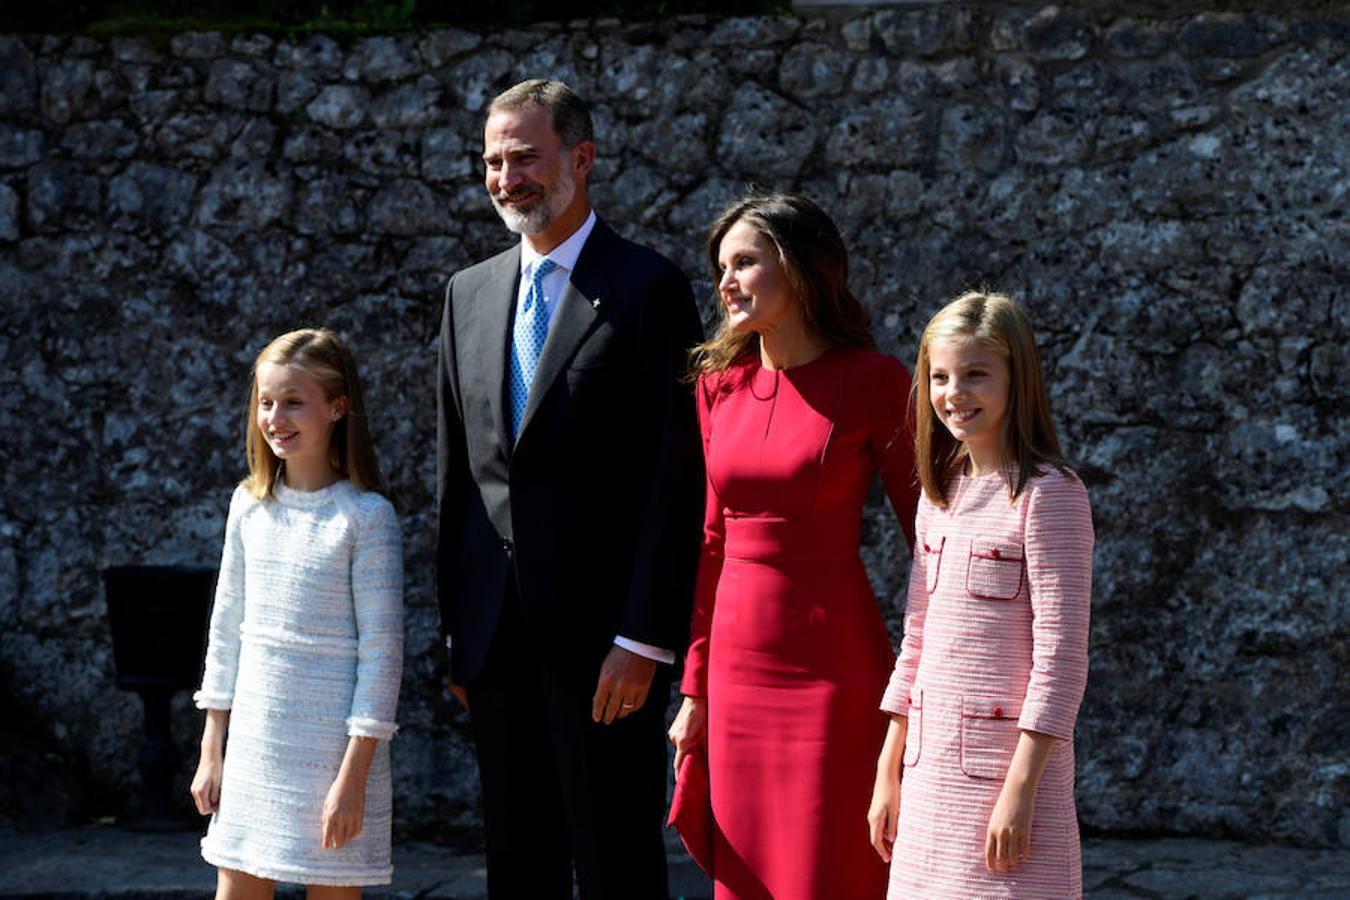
<point x="813" y="256"/>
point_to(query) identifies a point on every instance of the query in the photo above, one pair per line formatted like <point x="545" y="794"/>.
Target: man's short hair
<point x="568" y="113"/>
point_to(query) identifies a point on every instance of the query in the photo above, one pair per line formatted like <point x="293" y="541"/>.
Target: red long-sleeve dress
<point x="788" y="643"/>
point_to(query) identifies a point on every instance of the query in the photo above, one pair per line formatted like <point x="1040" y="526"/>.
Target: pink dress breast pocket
<point x="995" y="569"/>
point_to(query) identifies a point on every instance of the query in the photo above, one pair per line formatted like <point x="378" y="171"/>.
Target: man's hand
<point x="624" y="681"/>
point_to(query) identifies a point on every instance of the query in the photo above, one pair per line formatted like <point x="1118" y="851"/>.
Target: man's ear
<point x="583" y="157"/>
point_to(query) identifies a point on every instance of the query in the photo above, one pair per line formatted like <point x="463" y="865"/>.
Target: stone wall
<point x="1166" y="191"/>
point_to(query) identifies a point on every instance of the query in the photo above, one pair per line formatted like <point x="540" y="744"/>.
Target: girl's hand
<point x="689" y="728"/>
<point x="205" y="788"/>
<point x="1007" y="842"/>
<point x="344" y="811"/>
<point x="884" y="813"/>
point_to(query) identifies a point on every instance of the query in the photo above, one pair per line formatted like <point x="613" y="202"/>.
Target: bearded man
<point x="570" y="484"/>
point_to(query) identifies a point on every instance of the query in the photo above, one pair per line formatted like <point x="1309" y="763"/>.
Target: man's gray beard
<point x="543" y="214"/>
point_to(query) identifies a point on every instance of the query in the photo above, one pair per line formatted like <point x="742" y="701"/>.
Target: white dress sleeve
<point x="227" y="614"/>
<point x="377" y="596"/>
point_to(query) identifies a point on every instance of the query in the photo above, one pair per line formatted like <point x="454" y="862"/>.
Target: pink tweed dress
<point x="996" y="634"/>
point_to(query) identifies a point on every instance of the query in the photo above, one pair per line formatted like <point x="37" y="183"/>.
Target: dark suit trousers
<point x="559" y="789"/>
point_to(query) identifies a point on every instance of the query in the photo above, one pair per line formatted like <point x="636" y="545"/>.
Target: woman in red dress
<point x="788" y="653"/>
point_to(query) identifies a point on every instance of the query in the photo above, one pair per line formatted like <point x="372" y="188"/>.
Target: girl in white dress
<point x="306" y="642"/>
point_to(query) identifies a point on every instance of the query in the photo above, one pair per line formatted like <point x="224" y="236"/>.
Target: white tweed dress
<point x="306" y="649"/>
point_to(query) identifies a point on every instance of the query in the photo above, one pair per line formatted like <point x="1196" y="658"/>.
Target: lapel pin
<point x="595" y="304"/>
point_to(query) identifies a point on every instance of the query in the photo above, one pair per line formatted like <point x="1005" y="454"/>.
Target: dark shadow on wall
<point x="42" y="785"/>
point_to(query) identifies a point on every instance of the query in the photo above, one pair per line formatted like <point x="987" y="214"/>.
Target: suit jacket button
<point x="994" y="553"/>
<point x="998" y="712"/>
<point x="507" y="545"/>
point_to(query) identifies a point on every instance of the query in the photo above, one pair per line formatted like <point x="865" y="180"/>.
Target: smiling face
<point x="754" y="286"/>
<point x="968" y="385"/>
<point x="296" y="419"/>
<point x="536" y="183"/>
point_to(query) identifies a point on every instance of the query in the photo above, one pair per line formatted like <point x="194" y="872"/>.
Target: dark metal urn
<point x="159" y="617"/>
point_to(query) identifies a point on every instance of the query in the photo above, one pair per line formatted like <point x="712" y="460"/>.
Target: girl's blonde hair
<point x="321" y="354"/>
<point x="1001" y="324"/>
<point x="815" y="261"/>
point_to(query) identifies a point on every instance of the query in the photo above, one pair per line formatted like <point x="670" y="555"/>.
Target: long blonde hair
<point x="1001" y="324"/>
<point x="321" y="354"/>
<point x="815" y="260"/>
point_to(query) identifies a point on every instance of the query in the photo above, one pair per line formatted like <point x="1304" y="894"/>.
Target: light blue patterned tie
<point x="527" y="341"/>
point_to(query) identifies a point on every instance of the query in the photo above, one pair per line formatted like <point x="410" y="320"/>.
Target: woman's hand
<point x="205" y="788"/>
<point x="344" y="811"/>
<point x="689" y="729"/>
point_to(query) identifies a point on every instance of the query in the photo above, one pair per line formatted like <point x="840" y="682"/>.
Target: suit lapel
<point x="495" y="305"/>
<point x="578" y="309"/>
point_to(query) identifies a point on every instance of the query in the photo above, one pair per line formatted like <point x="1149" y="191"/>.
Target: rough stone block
<point x="109" y="139"/>
<point x="18" y="77"/>
<point x="244" y="195"/>
<point x="1226" y="34"/>
<point x="409" y="105"/>
<point x="327" y="205"/>
<point x="407" y="207"/>
<point x="763" y="136"/>
<point x="1132" y="38"/>
<point x="68" y="90"/>
<point x="924" y="32"/>
<point x="382" y="153"/>
<point x="59" y="195"/>
<point x="1055" y="34"/>
<point x="253" y="45"/>
<point x="20" y="147"/>
<point x="241" y="84"/>
<point x="158" y="196"/>
<point x="340" y="106"/>
<point x="887" y="133"/>
<point x="438" y="48"/>
<point x="294" y="90"/>
<point x="1019" y="80"/>
<point x="753" y="31"/>
<point x="813" y="70"/>
<point x="1054" y="137"/>
<point x="475" y="79"/>
<point x="377" y="59"/>
<point x="679" y="143"/>
<point x="319" y="55"/>
<point x="445" y="156"/>
<point x="972" y="137"/>
<point x="870" y="74"/>
<point x="9" y="214"/>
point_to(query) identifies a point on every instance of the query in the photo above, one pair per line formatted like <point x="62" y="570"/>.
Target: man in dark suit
<point x="570" y="486"/>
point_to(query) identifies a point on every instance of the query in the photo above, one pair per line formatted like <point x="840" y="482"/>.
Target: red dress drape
<point x="788" y="644"/>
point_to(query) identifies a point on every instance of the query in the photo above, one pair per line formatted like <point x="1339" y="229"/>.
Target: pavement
<point x="102" y="862"/>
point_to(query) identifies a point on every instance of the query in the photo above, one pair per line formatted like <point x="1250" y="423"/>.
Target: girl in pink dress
<point x="974" y="785"/>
